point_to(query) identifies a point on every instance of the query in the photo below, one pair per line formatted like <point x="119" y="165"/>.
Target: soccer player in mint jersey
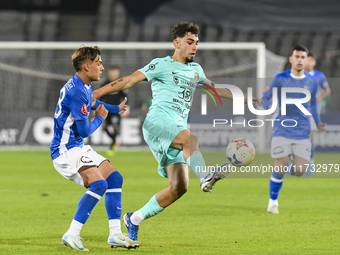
<point x="79" y="162"/>
<point x="293" y="137"/>
<point x="174" y="80"/>
<point x="323" y="91"/>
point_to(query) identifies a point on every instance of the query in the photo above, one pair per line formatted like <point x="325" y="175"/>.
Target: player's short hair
<point x="84" y="53"/>
<point x="113" y="67"/>
<point x="299" y="48"/>
<point x="181" y="29"/>
<point x="310" y="54"/>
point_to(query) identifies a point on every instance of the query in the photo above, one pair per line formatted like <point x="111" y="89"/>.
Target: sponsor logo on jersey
<point x="70" y="85"/>
<point x="267" y="88"/>
<point x="84" y="109"/>
<point x="152" y="67"/>
<point x="176" y="80"/>
<point x="196" y="76"/>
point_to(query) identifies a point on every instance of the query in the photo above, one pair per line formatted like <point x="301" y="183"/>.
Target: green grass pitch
<point x="37" y="206"/>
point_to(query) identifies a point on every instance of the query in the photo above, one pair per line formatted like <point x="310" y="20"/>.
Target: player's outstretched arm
<point x="257" y="100"/>
<point x="227" y="94"/>
<point x="119" y="84"/>
<point x="220" y="91"/>
<point x="116" y="109"/>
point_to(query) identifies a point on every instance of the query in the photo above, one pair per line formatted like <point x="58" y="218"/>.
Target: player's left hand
<point x="122" y="106"/>
<point x="322" y="126"/>
<point x="255" y="99"/>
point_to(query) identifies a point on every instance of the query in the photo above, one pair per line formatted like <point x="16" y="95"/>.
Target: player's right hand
<point x="322" y="126"/>
<point x="101" y="111"/>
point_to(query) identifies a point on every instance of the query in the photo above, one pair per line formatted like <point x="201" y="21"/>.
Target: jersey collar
<point x="298" y="77"/>
<point x="80" y="81"/>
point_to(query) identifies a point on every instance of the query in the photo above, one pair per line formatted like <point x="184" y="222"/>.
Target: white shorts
<point x="69" y="162"/>
<point x="282" y="147"/>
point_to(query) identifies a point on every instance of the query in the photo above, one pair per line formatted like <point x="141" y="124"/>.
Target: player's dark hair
<point x="299" y="48"/>
<point x="181" y="29"/>
<point x="310" y="54"/>
<point x="82" y="54"/>
<point x="113" y="67"/>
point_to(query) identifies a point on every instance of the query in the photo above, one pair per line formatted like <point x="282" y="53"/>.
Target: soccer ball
<point x="240" y="152"/>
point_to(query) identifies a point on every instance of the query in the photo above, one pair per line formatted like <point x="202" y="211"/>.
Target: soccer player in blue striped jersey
<point x="79" y="162"/>
<point x="174" y="80"/>
<point x="293" y="137"/>
<point x="323" y="91"/>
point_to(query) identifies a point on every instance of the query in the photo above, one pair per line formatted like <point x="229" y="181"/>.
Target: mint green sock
<point x="151" y="208"/>
<point x="196" y="163"/>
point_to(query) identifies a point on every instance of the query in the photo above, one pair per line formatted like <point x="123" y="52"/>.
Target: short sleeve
<point x="153" y="69"/>
<point x="203" y="78"/>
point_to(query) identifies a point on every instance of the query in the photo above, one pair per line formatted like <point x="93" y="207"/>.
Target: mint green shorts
<point x="159" y="132"/>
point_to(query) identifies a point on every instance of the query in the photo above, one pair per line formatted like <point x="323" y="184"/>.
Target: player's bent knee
<point x="115" y="180"/>
<point x="177" y="193"/>
<point x="299" y="172"/>
<point x="118" y="177"/>
<point x="179" y="189"/>
<point x="183" y="188"/>
<point x="194" y="139"/>
<point x="99" y="187"/>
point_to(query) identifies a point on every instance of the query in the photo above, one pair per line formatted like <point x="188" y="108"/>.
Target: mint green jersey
<point x="173" y="86"/>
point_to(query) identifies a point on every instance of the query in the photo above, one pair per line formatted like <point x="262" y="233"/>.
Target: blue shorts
<point x="159" y="132"/>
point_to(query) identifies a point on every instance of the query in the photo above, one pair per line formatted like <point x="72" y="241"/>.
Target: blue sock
<point x="113" y="197"/>
<point x="151" y="208"/>
<point x="196" y="163"/>
<point x="275" y="185"/>
<point x="89" y="200"/>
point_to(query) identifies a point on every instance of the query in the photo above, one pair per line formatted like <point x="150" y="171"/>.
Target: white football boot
<point x="121" y="240"/>
<point x="273" y="209"/>
<point x="218" y="174"/>
<point x="74" y="242"/>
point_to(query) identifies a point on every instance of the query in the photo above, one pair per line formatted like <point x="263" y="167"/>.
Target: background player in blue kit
<point x="293" y="140"/>
<point x="174" y="80"/>
<point x="79" y="162"/>
<point x="323" y="92"/>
